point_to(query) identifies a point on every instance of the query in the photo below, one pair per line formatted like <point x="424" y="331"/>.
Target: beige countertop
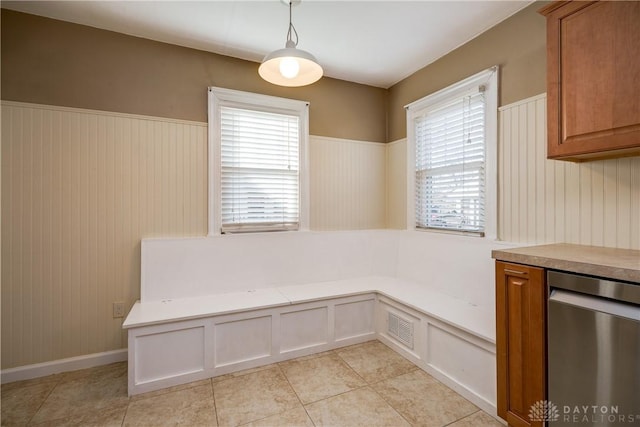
<point x="620" y="264"/>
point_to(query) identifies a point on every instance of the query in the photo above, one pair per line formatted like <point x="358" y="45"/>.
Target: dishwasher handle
<point x="629" y="311"/>
<point x="596" y="286"/>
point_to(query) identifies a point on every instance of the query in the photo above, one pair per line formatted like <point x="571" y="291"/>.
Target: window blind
<point x="450" y="165"/>
<point x="259" y="170"/>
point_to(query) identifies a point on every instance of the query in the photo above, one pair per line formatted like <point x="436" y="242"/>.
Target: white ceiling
<point x="373" y="42"/>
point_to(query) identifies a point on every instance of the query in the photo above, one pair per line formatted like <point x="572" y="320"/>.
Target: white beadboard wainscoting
<point x="80" y="188"/>
<point x="347" y="182"/>
<point x="544" y="201"/>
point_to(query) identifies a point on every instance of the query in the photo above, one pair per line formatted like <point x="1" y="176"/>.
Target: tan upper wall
<point x="58" y="63"/>
<point x="517" y="45"/>
<point x="53" y="62"/>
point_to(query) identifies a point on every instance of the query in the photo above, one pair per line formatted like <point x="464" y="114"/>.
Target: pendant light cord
<point x="292" y="30"/>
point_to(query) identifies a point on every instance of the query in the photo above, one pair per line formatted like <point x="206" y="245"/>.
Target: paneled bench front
<point x="194" y="338"/>
<point x="182" y="340"/>
<point x="191" y="325"/>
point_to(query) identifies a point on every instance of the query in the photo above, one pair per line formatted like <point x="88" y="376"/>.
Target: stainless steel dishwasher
<point x="593" y="351"/>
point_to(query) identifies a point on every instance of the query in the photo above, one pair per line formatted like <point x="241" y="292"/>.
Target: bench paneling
<point x="354" y="319"/>
<point x="242" y="340"/>
<point x="171" y="353"/>
<point x="304" y="328"/>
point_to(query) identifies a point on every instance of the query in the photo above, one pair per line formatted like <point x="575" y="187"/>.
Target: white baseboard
<point x="28" y="372"/>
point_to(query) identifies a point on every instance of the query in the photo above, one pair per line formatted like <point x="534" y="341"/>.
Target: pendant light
<point x="290" y="66"/>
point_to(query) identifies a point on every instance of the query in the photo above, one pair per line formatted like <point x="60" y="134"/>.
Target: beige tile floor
<point x="361" y="385"/>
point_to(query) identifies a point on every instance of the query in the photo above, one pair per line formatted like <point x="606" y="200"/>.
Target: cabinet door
<point x="520" y="341"/>
<point x="593" y="79"/>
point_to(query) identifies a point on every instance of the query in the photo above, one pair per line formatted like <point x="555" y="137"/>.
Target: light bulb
<point x="289" y="67"/>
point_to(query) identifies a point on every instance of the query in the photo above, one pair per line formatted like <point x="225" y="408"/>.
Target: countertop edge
<point x="600" y="270"/>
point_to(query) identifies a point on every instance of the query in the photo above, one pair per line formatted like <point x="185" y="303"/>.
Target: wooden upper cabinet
<point x="593" y="79"/>
<point x="520" y="341"/>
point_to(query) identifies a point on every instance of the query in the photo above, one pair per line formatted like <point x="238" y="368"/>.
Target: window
<point x="452" y="149"/>
<point x="257" y="152"/>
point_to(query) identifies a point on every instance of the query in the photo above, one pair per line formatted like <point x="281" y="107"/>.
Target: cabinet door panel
<point x="587" y="89"/>
<point x="517" y="342"/>
<point x="626" y="106"/>
<point x="520" y="341"/>
<point x="593" y="79"/>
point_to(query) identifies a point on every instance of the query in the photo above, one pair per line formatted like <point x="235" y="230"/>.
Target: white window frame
<point x="220" y="97"/>
<point x="489" y="79"/>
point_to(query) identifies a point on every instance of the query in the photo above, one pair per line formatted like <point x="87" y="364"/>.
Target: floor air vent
<point x="400" y="329"/>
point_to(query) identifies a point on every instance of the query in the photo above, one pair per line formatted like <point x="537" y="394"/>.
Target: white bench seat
<point x="471" y="318"/>
<point x="475" y="320"/>
<point x="212" y="306"/>
<point x="179" y="309"/>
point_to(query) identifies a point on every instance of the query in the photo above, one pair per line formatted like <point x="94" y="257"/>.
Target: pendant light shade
<point x="290" y="66"/>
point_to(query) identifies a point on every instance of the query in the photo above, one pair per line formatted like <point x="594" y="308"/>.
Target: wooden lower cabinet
<point x="520" y="341"/>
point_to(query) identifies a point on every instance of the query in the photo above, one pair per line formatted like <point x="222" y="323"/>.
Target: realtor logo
<point x="544" y="410"/>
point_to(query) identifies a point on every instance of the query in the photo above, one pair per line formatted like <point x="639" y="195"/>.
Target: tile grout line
<point x="390" y="405"/>
<point x="336" y="395"/>
<point x="59" y="382"/>
<point x="351" y="367"/>
<point x="271" y="366"/>
<point x="296" y="393"/>
<point x="366" y="384"/>
<point x="166" y="390"/>
<point x="462" y="418"/>
<point x="371" y="386"/>
<point x="418" y="368"/>
<point x="213" y="396"/>
<point x="124" y="417"/>
<point x="43" y="401"/>
<point x="415" y="367"/>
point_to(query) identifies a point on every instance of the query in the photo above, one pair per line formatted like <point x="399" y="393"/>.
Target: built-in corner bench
<point x="211" y="306"/>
